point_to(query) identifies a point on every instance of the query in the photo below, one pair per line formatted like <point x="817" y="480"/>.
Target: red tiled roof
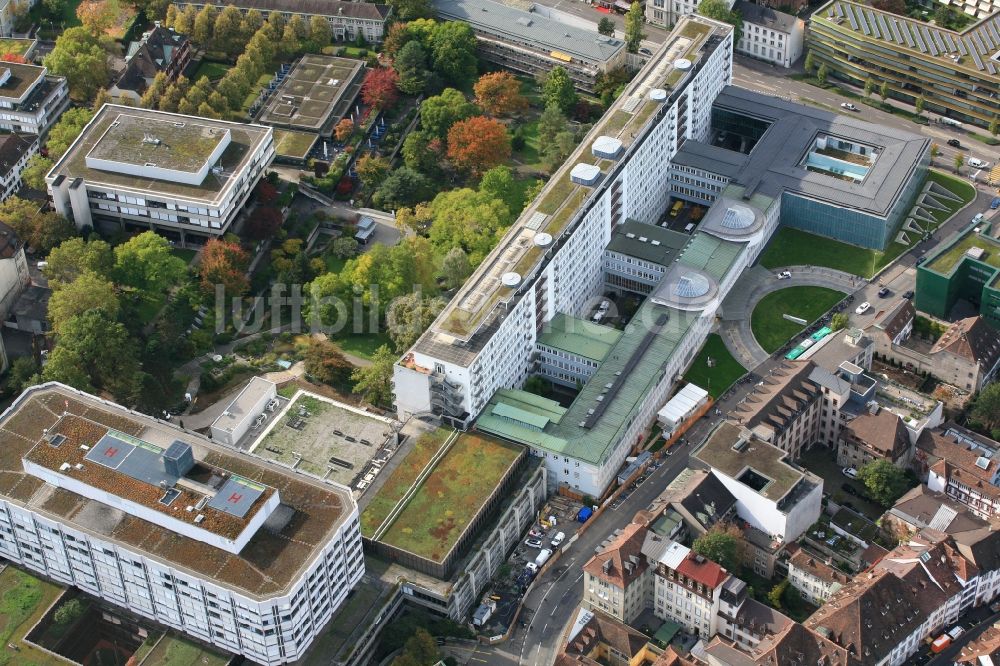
<point x="622" y="561"/>
<point x="704" y="571"/>
<point x="972" y="339"/>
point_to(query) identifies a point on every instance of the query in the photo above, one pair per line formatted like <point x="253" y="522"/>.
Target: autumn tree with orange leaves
<point x="478" y="143"/>
<point x="499" y="94"/>
<point x="380" y="89"/>
<point x="344" y="129"/>
<point x="225" y="263"/>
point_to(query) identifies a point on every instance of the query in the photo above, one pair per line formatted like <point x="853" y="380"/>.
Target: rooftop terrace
<point x="266" y="567"/>
<point x="316" y="90"/>
<point x="949" y="257"/>
<point x="17" y="79"/>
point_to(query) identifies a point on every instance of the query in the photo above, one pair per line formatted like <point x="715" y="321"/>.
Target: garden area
<point x="768" y="324"/>
<point x="723" y="371"/>
<point x="24" y="599"/>
<point x="793" y="247"/>
<point x="174" y="650"/>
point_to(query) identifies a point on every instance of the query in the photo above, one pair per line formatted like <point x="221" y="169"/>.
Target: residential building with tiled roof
<point x="984" y="650"/>
<point x="967" y="355"/>
<point x="614" y="580"/>
<point x="892" y="326"/>
<point x="815" y="579"/>
<point x="963" y="465"/>
<point x="922" y="507"/>
<point x="687" y="589"/>
<point x="874" y="436"/>
<point x="158" y="50"/>
<point x="703" y="502"/>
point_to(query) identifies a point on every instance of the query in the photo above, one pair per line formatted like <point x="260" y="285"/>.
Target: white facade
<point x="764" y="514"/>
<point x="14" y="278"/>
<point x="235" y="421"/>
<point x="36" y="108"/>
<point x="10" y="182"/>
<point x="780" y="46"/>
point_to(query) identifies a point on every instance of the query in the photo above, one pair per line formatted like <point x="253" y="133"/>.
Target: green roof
<point x="710" y="254"/>
<point x="579" y="337"/>
<point x="504" y="410"/>
<point x="953" y="254"/>
<point x="666" y="632"/>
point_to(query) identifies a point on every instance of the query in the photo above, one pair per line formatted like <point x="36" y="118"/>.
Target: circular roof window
<point x="737" y="218"/>
<point x="692" y="286"/>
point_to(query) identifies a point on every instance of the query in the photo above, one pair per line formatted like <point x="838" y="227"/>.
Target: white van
<point x="949" y="121"/>
<point x="543" y="556"/>
<point x="689" y="228"/>
<point x="558" y="539"/>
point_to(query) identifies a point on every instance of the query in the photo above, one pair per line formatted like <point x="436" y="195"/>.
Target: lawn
<point x="293" y="144"/>
<point x="717" y="379"/>
<point x="183" y="253"/>
<point x="23" y="601"/>
<point x="402" y="478"/>
<point x="362" y="344"/>
<point x="334" y="264"/>
<point x="772" y="330"/>
<point x="958" y="187"/>
<point x="178" y="651"/>
<point x="528" y="156"/>
<point x="65" y="19"/>
<point x="213" y="70"/>
<point x="793" y="247"/>
<point x="451" y="496"/>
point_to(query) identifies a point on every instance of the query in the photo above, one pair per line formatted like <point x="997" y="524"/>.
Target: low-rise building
<point x="184" y="177"/>
<point x="984" y="650"/>
<point x="348" y="21"/>
<point x="687" y="589"/>
<point x="967" y="267"/>
<point x="639" y="255"/>
<point x="239" y="415"/>
<point x="15" y="151"/>
<point x="14" y="277"/>
<point x="570" y="349"/>
<point x="158" y="50"/>
<point x="922" y="507"/>
<point x="875" y="435"/>
<point x="963" y="465"/>
<point x="815" y="579"/>
<point x="30" y="100"/>
<point x="614" y="580"/>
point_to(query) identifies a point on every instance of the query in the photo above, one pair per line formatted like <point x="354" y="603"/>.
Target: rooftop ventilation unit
<point x="150" y="139"/>
<point x="510" y="280"/>
<point x="543" y="239"/>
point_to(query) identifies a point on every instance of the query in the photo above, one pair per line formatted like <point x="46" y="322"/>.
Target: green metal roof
<point x="710" y="254"/>
<point x="504" y="410"/>
<point x="579" y="337"/>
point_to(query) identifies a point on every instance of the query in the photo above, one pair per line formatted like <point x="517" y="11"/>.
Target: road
<point x="984" y="620"/>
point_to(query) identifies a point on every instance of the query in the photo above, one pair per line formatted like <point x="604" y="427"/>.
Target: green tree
<point x="422" y="153"/>
<point x="68" y="613"/>
<point x="555" y="140"/>
<point x="408" y="316"/>
<point x="344" y="247"/>
<point x="497" y="182"/>
<point x="986" y="409"/>
<point x="883" y="91"/>
<point x="995" y="126"/>
<point x="87" y="292"/>
<point x="22" y="374"/>
<point x="407" y="10"/>
<point x="82" y="58"/>
<point x="959" y="162"/>
<point x="723" y="544"/>
<point x="411" y="65"/>
<point x="884" y="481"/>
<point x="935" y="152"/>
<point x="633" y="27"/>
<point x="184" y="23"/>
<point x="34" y="173"/>
<point x="227" y="30"/>
<point x="65" y="132"/>
<point x="839" y="321"/>
<point x="919" y="105"/>
<point x="439" y="113"/>
<point x="66" y="365"/>
<point x="403" y="187"/>
<point x="869" y="86"/>
<point x="71" y="258"/>
<point x="606" y="27"/>
<point x="559" y="90"/>
<point x="374" y="382"/>
<point x="204" y="26"/>
<point x="453" y="45"/>
<point x="253" y="21"/>
<point x="320" y="33"/>
<point x="371" y="169"/>
<point x="154" y="92"/>
<point x="40" y="230"/>
<point x="473" y="221"/>
<point x="145" y="264"/>
<point x="719" y="10"/>
<point x="455" y="267"/>
<point x="822" y="73"/>
<point x="776" y="593"/>
<point x="102" y="350"/>
<point x="422" y="647"/>
<point x="810" y="62"/>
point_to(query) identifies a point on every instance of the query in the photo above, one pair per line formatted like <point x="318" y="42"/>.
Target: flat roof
<point x="579" y="337"/>
<point x="266" y="567"/>
<point x="169" y="143"/>
<point x="22" y="78"/>
<point x="244" y="140"/>
<point x="316" y="93"/>
<point x="765" y="459"/>
<point x="647" y="242"/>
<point x="774" y="165"/>
<point x="358" y="10"/>
<point x="949" y="256"/>
<point x="240" y="408"/>
<point x="530" y="28"/>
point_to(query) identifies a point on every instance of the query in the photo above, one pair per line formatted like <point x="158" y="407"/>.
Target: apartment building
<point x="875" y="435"/>
<point x="348" y="20"/>
<point x="239" y="553"/>
<point x="772" y="494"/>
<point x="158" y="50"/>
<point x="687" y="589"/>
<point x="30" y="100"/>
<point x="922" y="507"/>
<point x="185" y="177"/>
<point x="14" y="277"/>
<point x="955" y="72"/>
<point x="963" y="465"/>
<point x="815" y="579"/>
<point x="532" y="44"/>
<point x="614" y="580"/>
<point x="15" y="151"/>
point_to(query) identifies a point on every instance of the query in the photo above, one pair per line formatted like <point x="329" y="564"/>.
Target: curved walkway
<point x="757" y="283"/>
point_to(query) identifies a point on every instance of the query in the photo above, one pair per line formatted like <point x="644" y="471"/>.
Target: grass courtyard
<point x="768" y="324"/>
<point x="174" y="650"/>
<point x="451" y="496"/>
<point x="716" y="379"/>
<point x="23" y="601"/>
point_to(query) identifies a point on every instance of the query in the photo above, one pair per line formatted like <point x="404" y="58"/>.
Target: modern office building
<point x="967" y="268"/>
<point x="348" y="20"/>
<point x="527" y="42"/>
<point x="245" y="555"/>
<point x="957" y="73"/>
<point x="184" y="177"/>
<point x="30" y="100"/>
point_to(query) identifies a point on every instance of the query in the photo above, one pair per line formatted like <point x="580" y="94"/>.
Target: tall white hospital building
<point x="230" y="549"/>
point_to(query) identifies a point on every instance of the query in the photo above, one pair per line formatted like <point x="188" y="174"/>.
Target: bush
<point x="68" y="613"/>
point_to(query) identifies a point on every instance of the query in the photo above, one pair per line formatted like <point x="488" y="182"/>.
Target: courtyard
<point x="721" y="374"/>
<point x="768" y="323"/>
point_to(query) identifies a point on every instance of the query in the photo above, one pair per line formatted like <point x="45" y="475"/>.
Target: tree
<point x="986" y="409"/>
<point x="23" y="373"/>
<point x="723" y="544"/>
<point x="422" y="648"/>
<point x="76" y="256"/>
<point x="99" y="16"/>
<point x="94" y="351"/>
<point x="344" y="130"/>
<point x="883" y="90"/>
<point x="499" y="94"/>
<point x="204" y="25"/>
<point x="555" y="140"/>
<point x="810" y="62"/>
<point x="85" y="293"/>
<point x="839" y="321"/>
<point x="559" y="90"/>
<point x="325" y="363"/>
<point x="453" y="46"/>
<point x="498" y="182"/>
<point x="265" y="193"/>
<point x="606" y="27"/>
<point x="65" y="132"/>
<point x="776" y="593"/>
<point x="344" y="247"/>
<point x="184" y="23"/>
<point x="439" y="113"/>
<point x="822" y="73"/>
<point x="81" y="57"/>
<point x="227" y="30"/>
<point x="869" y="86"/>
<point x="320" y="32"/>
<point x="402" y="187"/>
<point x="467" y="219"/>
<point x="398" y="36"/>
<point x="224" y="263"/>
<point x="380" y="88"/>
<point x="145" y="265"/>
<point x="423" y="153"/>
<point x="478" y="143"/>
<point x="891" y="6"/>
<point x="885" y="482"/>
<point x="68" y="613"/>
<point x="935" y="152"/>
<point x="719" y="10"/>
<point x="959" y="162"/>
<point x="411" y="66"/>
<point x="455" y="267"/>
<point x="374" y="382"/>
<point x="371" y="169"/>
<point x="407" y="10"/>
<point x="65" y="365"/>
<point x="994" y="126"/>
<point x="919" y="105"/>
<point x="154" y="92"/>
<point x="40" y="230"/>
<point x="633" y="27"/>
<point x="263" y="223"/>
<point x="35" y="171"/>
<point x="410" y="315"/>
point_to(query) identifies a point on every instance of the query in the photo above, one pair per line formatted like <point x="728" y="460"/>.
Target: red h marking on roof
<point x="111" y="452"/>
<point x="235" y="498"/>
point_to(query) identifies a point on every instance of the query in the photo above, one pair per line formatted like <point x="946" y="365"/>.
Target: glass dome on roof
<point x="737" y="218"/>
<point x="692" y="286"/>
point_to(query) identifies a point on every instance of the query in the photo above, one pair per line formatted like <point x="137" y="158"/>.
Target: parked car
<point x="645" y="51"/>
<point x="848" y="106"/>
<point x="533" y="543"/>
<point x="863" y="308"/>
<point x="883" y="291"/>
<point x="536" y="533"/>
<point x="784" y="275"/>
<point x="604" y="306"/>
<point x="954" y="143"/>
<point x="977" y="163"/>
<point x="532" y="567"/>
<point x="995" y="203"/>
<point x="850" y="472"/>
<point x="908" y="294"/>
<point x="558" y="539"/>
<point x="977" y="218"/>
